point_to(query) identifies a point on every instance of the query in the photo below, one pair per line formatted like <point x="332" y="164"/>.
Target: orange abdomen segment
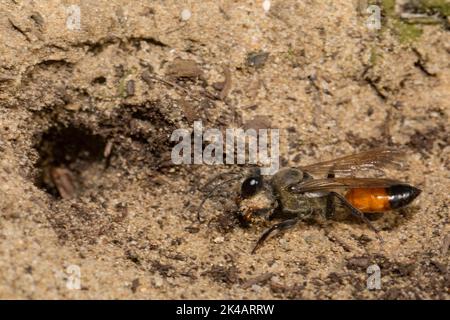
<point x="369" y="199"/>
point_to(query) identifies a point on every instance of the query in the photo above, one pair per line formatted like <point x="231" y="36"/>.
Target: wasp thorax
<point x="286" y="177"/>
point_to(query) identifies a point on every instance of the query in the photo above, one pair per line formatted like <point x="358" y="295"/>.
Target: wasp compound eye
<point x="251" y="186"/>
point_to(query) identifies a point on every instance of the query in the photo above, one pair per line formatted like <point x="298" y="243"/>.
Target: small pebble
<point x="275" y="266"/>
<point x="186" y="14"/>
<point x="284" y="244"/>
<point x="275" y="278"/>
<point x="158" y="281"/>
<point x="266" y="5"/>
<point x="257" y="59"/>
<point x="219" y="240"/>
<point x="256" y="288"/>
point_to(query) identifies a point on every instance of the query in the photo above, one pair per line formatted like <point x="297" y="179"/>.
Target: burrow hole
<point x="64" y="153"/>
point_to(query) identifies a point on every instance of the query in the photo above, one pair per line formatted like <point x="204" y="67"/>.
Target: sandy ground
<point x="80" y="110"/>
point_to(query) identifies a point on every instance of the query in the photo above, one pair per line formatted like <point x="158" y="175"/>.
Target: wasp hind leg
<point x="355" y="212"/>
<point x="330" y="208"/>
<point x="282" y="226"/>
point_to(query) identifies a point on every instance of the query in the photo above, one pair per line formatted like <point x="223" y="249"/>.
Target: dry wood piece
<point x="258" y="122"/>
<point x="181" y="68"/>
<point x="189" y="111"/>
<point x="64" y="181"/>
<point x="147" y="77"/>
<point x="135" y="285"/>
<point x="446" y="245"/>
<point x="261" y="279"/>
<point x="130" y="88"/>
<point x="38" y="19"/>
<point x="226" y="84"/>
<point x="108" y="149"/>
<point x="338" y="240"/>
<point x="19" y="26"/>
<point x="6" y="78"/>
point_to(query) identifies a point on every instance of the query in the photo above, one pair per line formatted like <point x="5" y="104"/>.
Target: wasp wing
<point x="374" y="159"/>
<point x="342" y="183"/>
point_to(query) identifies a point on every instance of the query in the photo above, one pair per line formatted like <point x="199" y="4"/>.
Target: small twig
<point x="336" y="239"/>
<point x="259" y="279"/>
<point x="108" y="149"/>
<point x="226" y="84"/>
<point x="19" y="29"/>
<point x="147" y="76"/>
<point x="446" y="245"/>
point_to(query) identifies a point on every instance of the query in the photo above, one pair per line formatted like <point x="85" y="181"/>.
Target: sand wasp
<point x="299" y="193"/>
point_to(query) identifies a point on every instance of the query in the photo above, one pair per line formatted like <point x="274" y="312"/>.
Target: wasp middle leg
<point x="355" y="212"/>
<point x="330" y="207"/>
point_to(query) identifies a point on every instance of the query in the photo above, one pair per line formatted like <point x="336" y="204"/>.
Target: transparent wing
<point x="342" y="183"/>
<point x="375" y="159"/>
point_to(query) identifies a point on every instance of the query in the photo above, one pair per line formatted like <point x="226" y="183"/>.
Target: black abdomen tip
<point x="402" y="195"/>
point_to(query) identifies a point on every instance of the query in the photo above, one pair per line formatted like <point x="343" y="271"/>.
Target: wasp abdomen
<point x="382" y="199"/>
<point x="402" y="195"/>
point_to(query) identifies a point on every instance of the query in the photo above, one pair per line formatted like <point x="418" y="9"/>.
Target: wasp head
<point x="256" y="199"/>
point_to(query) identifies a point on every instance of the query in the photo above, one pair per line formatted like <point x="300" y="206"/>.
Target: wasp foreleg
<point x="282" y="226"/>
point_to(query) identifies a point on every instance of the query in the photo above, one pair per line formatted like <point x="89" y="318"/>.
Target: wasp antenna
<point x="215" y="177"/>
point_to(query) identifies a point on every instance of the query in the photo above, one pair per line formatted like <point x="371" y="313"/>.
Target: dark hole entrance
<point x="99" y="80"/>
<point x="64" y="152"/>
